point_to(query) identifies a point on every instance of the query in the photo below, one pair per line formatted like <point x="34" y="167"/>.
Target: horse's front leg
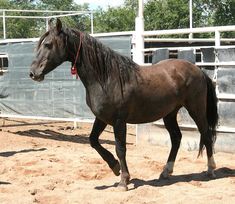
<point x="120" y="138"/>
<point x="97" y="129"/>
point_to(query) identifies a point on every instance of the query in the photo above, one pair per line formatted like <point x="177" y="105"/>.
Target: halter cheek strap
<point x="74" y="68"/>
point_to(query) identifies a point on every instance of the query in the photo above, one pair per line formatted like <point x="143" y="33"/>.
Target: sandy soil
<point x="48" y="162"/>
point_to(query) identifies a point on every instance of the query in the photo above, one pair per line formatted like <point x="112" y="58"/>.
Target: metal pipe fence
<point x="46" y="14"/>
<point x="162" y="36"/>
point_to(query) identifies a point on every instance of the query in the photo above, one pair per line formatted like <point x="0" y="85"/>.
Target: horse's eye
<point x="48" y="45"/>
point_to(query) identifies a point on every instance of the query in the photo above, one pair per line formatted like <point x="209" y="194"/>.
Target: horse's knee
<point x="93" y="143"/>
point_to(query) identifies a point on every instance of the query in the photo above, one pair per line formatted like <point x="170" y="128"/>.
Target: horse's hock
<point x="219" y="64"/>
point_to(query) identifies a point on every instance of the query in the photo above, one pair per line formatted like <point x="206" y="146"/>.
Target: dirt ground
<point x="49" y="162"/>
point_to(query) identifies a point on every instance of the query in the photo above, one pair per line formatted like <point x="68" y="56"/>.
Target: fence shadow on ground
<point x="53" y="135"/>
<point x="19" y="123"/>
<point x="12" y="153"/>
<point x="4" y="183"/>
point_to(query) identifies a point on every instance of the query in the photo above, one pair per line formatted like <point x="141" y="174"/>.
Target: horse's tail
<point x="211" y="112"/>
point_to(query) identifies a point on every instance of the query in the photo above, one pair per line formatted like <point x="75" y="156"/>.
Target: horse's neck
<point x="90" y="67"/>
<point x="75" y="52"/>
<point x="102" y="66"/>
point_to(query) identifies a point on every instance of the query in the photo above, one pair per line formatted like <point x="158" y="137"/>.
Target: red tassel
<point x="74" y="70"/>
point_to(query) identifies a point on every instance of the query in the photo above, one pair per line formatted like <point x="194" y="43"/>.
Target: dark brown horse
<point x="118" y="91"/>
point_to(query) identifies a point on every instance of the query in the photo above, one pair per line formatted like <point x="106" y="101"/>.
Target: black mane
<point x="104" y="62"/>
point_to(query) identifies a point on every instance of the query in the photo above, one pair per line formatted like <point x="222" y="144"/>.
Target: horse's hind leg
<point x="97" y="129"/>
<point x="175" y="135"/>
<point x="199" y="116"/>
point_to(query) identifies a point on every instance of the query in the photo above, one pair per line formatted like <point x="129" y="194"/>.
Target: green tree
<point x="82" y="22"/>
<point x="225" y="13"/>
<point x="16" y="27"/>
<point x="158" y="14"/>
<point x="25" y="28"/>
<point x="217" y="12"/>
<point x="166" y="14"/>
<point x="4" y="4"/>
<point x="130" y="4"/>
<point x="114" y="19"/>
<point x="214" y="13"/>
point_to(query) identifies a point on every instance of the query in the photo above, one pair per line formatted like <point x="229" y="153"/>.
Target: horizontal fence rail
<point x="46" y="14"/>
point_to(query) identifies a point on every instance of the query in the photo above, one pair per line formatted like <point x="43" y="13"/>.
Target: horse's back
<point x="173" y="73"/>
<point x="175" y="66"/>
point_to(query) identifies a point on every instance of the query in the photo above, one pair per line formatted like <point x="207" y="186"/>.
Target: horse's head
<point x="51" y="52"/>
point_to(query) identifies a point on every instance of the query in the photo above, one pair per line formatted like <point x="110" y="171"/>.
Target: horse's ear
<point x="50" y="24"/>
<point x="58" y="25"/>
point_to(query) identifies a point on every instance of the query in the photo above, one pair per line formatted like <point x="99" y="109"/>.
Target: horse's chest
<point x="100" y="104"/>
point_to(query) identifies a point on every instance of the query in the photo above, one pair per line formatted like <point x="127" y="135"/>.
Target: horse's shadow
<point x="223" y="172"/>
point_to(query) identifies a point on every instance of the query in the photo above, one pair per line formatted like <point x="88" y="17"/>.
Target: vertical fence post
<point x="138" y="55"/>
<point x="138" y="42"/>
<point x="4" y="24"/>
<point x="217" y="38"/>
<point x="92" y="24"/>
<point x="47" y="24"/>
<point x="190" y="17"/>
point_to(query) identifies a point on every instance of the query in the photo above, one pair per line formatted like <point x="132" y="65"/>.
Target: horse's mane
<point x="105" y="62"/>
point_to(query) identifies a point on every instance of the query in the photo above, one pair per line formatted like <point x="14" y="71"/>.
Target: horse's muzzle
<point x="36" y="77"/>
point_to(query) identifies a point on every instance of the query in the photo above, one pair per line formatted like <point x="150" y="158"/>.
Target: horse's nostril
<point x="31" y="74"/>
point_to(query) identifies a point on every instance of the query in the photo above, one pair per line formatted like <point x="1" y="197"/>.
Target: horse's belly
<point x="150" y="113"/>
<point x="152" y="101"/>
<point x="143" y="120"/>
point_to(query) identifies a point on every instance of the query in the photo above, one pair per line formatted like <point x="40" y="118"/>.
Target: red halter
<point x="74" y="68"/>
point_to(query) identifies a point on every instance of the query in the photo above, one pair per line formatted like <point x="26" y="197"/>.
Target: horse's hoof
<point x="122" y="187"/>
<point x="116" y="169"/>
<point x="163" y="176"/>
<point x="211" y="174"/>
<point x="167" y="171"/>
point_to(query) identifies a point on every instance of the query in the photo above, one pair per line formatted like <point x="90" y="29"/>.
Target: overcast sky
<point x="102" y="3"/>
